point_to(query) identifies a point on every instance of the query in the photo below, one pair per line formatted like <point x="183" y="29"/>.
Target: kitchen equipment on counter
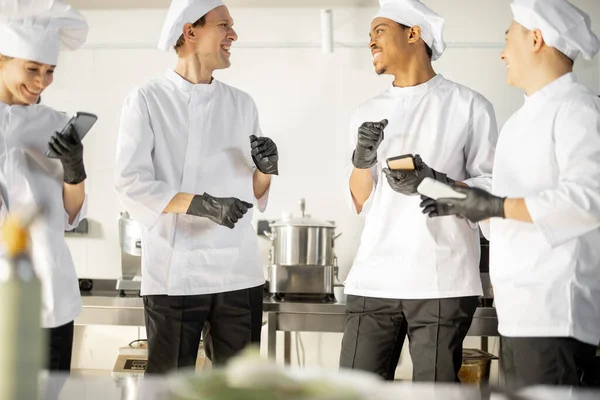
<point x="130" y="240"/>
<point x="302" y="262"/>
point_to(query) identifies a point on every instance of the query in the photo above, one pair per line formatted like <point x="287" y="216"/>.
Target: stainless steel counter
<point x="281" y="316"/>
<point x="104" y="310"/>
<point x="310" y="317"/>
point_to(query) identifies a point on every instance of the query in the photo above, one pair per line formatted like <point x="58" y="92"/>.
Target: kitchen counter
<point x="323" y="317"/>
<point x="104" y="307"/>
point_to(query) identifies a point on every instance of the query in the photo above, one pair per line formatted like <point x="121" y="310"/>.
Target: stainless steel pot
<point x="302" y="241"/>
<point x="130" y="235"/>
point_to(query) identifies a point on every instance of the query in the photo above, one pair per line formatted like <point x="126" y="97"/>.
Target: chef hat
<point x="183" y="12"/>
<point x="23" y="8"/>
<point x="564" y="26"/>
<point x="413" y="13"/>
<point x="40" y="37"/>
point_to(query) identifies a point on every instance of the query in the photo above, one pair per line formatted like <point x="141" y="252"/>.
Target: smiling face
<point x="23" y="81"/>
<point x="517" y="55"/>
<point x="214" y="38"/>
<point x="389" y="45"/>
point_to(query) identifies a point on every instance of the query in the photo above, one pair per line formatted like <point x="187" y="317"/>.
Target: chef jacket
<point x="546" y="275"/>
<point x="27" y="176"/>
<point x="176" y="136"/>
<point x="403" y="254"/>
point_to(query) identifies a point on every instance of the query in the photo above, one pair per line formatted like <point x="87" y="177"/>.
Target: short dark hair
<point x="198" y="23"/>
<point x="427" y="48"/>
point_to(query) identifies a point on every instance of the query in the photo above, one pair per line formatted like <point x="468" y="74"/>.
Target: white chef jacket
<point x="546" y="275"/>
<point x="27" y="176"/>
<point x="176" y="136"/>
<point x="403" y="254"/>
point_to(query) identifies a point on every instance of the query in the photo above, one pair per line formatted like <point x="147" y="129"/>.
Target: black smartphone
<point x="81" y="123"/>
<point x="405" y="162"/>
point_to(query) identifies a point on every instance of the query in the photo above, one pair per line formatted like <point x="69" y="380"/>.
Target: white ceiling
<point x="132" y="4"/>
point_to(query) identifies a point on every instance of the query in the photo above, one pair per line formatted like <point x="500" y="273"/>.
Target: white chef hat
<point x="414" y="13"/>
<point x="183" y="12"/>
<point x="23" y="8"/>
<point x="564" y="26"/>
<point x="40" y="37"/>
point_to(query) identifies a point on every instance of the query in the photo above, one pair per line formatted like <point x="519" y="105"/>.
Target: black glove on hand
<point x="265" y="155"/>
<point x="406" y="182"/>
<point x="425" y="171"/>
<point x="479" y="205"/>
<point x="223" y="211"/>
<point x="69" y="150"/>
<point x="370" y="136"/>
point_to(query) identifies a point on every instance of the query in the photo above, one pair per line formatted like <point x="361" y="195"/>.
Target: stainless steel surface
<point x="301" y="279"/>
<point x="101" y="310"/>
<point x="318" y="317"/>
<point x="108" y="309"/>
<point x="302" y="256"/>
<point x="130" y="240"/>
<point x="130" y="284"/>
<point x="302" y="245"/>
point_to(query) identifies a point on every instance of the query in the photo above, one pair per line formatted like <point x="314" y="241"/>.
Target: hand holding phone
<point x="80" y="124"/>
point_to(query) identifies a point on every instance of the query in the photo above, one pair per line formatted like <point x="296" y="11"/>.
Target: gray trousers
<point x="530" y="361"/>
<point x="376" y="328"/>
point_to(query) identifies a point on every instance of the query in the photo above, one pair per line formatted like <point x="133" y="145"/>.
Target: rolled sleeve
<point x="144" y="197"/>
<point x="80" y="215"/>
<point x="572" y="209"/>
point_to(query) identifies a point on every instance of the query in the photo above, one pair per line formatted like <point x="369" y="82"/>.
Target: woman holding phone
<point x="29" y="48"/>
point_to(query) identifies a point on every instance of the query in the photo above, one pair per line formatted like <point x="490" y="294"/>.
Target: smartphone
<point x="405" y="162"/>
<point x="81" y="122"/>
<point x="438" y="190"/>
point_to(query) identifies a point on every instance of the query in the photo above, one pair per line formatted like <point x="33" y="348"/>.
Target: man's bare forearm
<point x="361" y="185"/>
<point x="179" y="204"/>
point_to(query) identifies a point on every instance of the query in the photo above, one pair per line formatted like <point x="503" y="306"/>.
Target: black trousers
<point x="174" y="326"/>
<point x="256" y="314"/>
<point x="529" y="361"/>
<point x="376" y="329"/>
<point x="60" y="347"/>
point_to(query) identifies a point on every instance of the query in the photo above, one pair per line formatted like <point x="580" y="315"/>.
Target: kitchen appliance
<point x="130" y="240"/>
<point x="302" y="261"/>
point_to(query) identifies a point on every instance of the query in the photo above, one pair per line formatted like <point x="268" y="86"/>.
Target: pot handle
<point x="138" y="244"/>
<point x="337" y="236"/>
<point x="269" y="235"/>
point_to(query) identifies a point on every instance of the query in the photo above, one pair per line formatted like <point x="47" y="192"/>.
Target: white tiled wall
<point x="305" y="100"/>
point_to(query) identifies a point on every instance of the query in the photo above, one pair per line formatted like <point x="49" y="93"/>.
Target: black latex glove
<point x="223" y="211"/>
<point x="406" y="182"/>
<point x="370" y="136"/>
<point x="264" y="154"/>
<point x="479" y="205"/>
<point x="69" y="150"/>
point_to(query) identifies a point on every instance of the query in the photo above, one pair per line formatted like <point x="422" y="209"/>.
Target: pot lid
<point x="305" y="221"/>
